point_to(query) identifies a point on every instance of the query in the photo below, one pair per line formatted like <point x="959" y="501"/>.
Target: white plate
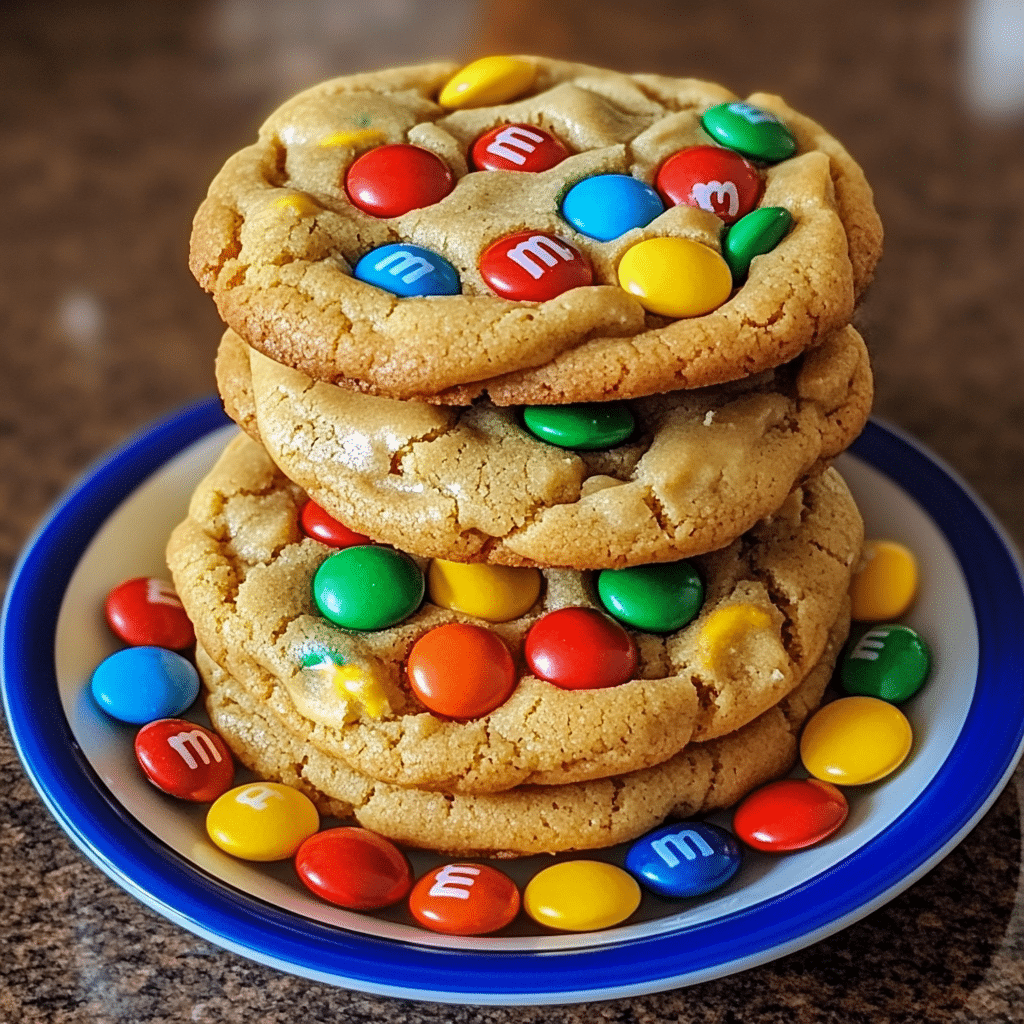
<point x="968" y="725"/>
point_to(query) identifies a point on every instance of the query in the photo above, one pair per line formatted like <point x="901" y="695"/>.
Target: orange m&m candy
<point x="464" y="899"/>
<point x="461" y="670"/>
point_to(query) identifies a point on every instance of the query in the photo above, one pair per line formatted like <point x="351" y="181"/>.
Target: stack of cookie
<point x="529" y="539"/>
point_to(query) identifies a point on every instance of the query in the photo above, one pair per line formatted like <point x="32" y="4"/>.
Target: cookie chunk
<point x="393" y="236"/>
<point x="697" y="469"/>
<point x="245" y="574"/>
<point x="529" y="819"/>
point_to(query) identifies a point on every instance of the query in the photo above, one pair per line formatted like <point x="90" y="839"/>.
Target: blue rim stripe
<point x="982" y="759"/>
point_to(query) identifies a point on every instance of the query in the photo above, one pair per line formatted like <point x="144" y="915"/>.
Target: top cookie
<point x="556" y="233"/>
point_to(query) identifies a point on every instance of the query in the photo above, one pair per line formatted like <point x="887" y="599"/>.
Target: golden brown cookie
<point x="529" y="819"/>
<point x="473" y="484"/>
<point x="243" y="570"/>
<point x="279" y="237"/>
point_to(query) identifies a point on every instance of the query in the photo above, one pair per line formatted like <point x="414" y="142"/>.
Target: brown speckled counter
<point x="113" y="118"/>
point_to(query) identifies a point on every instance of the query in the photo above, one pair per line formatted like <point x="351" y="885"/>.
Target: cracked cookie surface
<point x="277" y="239"/>
<point x="243" y="571"/>
<point x="529" y="819"/>
<point x="473" y="484"/>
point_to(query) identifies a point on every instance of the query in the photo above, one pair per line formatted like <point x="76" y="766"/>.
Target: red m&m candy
<point x="354" y="868"/>
<point x="517" y="147"/>
<point x="391" y="180"/>
<point x="184" y="759"/>
<point x="461" y="670"/>
<point x="464" y="899"/>
<point x="316" y="523"/>
<point x="146" y="612"/>
<point x="790" y="814"/>
<point x="534" y="266"/>
<point x="710" y="178"/>
<point x="580" y="649"/>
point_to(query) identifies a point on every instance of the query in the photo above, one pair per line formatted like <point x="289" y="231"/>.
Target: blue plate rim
<point x="967" y="783"/>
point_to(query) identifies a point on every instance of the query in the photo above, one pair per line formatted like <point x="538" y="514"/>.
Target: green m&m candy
<point x="749" y="130"/>
<point x="891" y="662"/>
<point x="368" y="587"/>
<point x="658" y="598"/>
<point x="757" y="233"/>
<point x="584" y="425"/>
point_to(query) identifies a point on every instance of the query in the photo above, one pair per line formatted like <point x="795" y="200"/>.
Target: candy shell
<point x="517" y="147"/>
<point x="581" y="896"/>
<point x="890" y="662"/>
<point x="261" y="821"/>
<point x="316" y="523"/>
<point x="658" y="598"/>
<point x="497" y="593"/>
<point x="353" y="868"/>
<point x="487" y="82"/>
<point x="684" y="859"/>
<point x="142" y="684"/>
<point x="461" y="670"/>
<point x="409" y="271"/>
<point x="749" y="130"/>
<point x="587" y="426"/>
<point x="790" y="814"/>
<point x="885" y="584"/>
<point x="391" y="180"/>
<point x="710" y="178"/>
<point x="580" y="649"/>
<point x="184" y="759"/>
<point x="368" y="587"/>
<point x="146" y="612"/>
<point x="855" y="740"/>
<point x="608" y="205"/>
<point x="675" y="277"/>
<point x="757" y="233"/>
<point x="464" y="899"/>
<point x="534" y="266"/>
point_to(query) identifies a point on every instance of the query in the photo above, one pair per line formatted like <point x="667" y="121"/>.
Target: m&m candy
<point x="487" y="82"/>
<point x="368" y="587"/>
<point x="142" y="684"/>
<point x="146" y="612"/>
<point x="464" y="899"/>
<point x="517" y="147"/>
<point x="891" y="662"/>
<point x="408" y="270"/>
<point x="534" y="266"/>
<point x="261" y="821"/>
<point x="581" y="895"/>
<point x="496" y="593"/>
<point x="609" y="205"/>
<point x="461" y="670"/>
<point x="790" y="814"/>
<point x="353" y="868"/>
<point x="749" y="130"/>
<point x="184" y="759"/>
<point x="586" y="426"/>
<point x="756" y="234"/>
<point x="316" y="523"/>
<point x="660" y="597"/>
<point x="391" y="180"/>
<point x="675" y="277"/>
<point x="710" y="178"/>
<point x="885" y="584"/>
<point x="683" y="859"/>
<point x="580" y="649"/>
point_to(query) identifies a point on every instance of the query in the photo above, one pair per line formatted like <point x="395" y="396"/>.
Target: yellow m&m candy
<point x="675" y="277"/>
<point x="262" y="821"/>
<point x="885" y="585"/>
<point x="486" y="82"/>
<point x="493" y="592"/>
<point x="855" y="740"/>
<point x="581" y="895"/>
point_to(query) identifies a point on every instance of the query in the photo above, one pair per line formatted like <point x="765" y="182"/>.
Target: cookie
<point x="492" y="284"/>
<point x="473" y="484"/>
<point x="529" y="819"/>
<point x="244" y="573"/>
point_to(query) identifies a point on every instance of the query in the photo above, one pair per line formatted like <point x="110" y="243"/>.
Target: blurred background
<point x="114" y="116"/>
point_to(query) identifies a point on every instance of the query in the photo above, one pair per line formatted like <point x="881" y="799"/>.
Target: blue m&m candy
<point x="686" y="858"/>
<point x="142" y="684"/>
<point x="408" y="270"/>
<point x="609" y="205"/>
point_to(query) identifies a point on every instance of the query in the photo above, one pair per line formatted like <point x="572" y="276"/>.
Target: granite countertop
<point x="115" y="116"/>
